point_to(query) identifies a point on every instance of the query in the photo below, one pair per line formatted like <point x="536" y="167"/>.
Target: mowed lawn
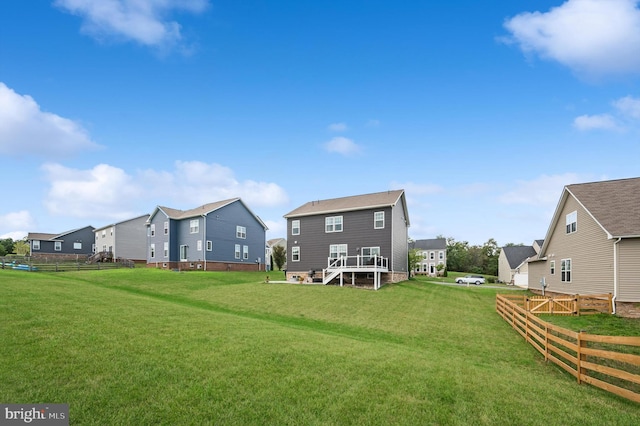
<point x="143" y="347"/>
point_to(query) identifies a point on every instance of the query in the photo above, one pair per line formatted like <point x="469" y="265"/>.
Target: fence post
<point x="580" y="356"/>
<point x="546" y="342"/>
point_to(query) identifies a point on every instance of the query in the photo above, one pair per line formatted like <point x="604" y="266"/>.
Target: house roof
<point x="515" y="255"/>
<point x="614" y="204"/>
<point x="52" y="237"/>
<point x="122" y="221"/>
<point x="201" y="211"/>
<point x="539" y="242"/>
<point x="431" y="244"/>
<point x="356" y="202"/>
<point x="277" y="241"/>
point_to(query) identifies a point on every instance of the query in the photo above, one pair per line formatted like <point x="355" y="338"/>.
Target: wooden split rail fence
<point x="564" y="305"/>
<point x="611" y="363"/>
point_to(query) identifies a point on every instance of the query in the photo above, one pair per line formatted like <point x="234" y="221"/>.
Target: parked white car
<point x="470" y="279"/>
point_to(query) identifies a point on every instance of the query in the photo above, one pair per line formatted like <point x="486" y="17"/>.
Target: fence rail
<point x="611" y="363"/>
<point x="34" y="266"/>
<point x="564" y="305"/>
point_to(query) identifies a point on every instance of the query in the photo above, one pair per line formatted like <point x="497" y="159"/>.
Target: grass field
<point x="142" y="347"/>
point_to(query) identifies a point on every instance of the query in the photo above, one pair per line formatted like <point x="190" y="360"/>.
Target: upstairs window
<point x="166" y="228"/>
<point x="333" y="224"/>
<point x="194" y="226"/>
<point x="565" y="270"/>
<point x="153" y="230"/>
<point x="552" y="267"/>
<point x="572" y="222"/>
<point x="441" y="255"/>
<point x="295" y="227"/>
<point x="378" y="220"/>
<point x="36" y="244"/>
<point x="57" y="246"/>
<point x="432" y="255"/>
<point x="241" y="232"/>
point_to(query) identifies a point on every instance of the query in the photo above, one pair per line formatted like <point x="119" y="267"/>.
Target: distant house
<point x="356" y="240"/>
<point x="432" y="252"/>
<point x="123" y="240"/>
<point x="70" y="245"/>
<point x="224" y="235"/>
<point x="593" y="244"/>
<point x="282" y="242"/>
<point x="513" y="265"/>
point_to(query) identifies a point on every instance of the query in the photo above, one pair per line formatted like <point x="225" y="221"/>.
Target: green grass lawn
<point x="138" y="347"/>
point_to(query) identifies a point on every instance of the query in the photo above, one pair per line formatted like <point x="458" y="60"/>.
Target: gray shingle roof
<point x="517" y="254"/>
<point x="430" y="244"/>
<point x="198" y="211"/>
<point x="356" y="202"/>
<point x="615" y="204"/>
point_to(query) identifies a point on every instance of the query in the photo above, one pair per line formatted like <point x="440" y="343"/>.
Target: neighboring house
<point x="282" y="242"/>
<point x="225" y="235"/>
<point x="512" y="263"/>
<point x="431" y="253"/>
<point x="123" y="240"/>
<point x="593" y="244"/>
<point x="70" y="245"/>
<point x="360" y="239"/>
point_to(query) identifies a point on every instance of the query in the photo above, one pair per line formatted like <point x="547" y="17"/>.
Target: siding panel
<point x="629" y="270"/>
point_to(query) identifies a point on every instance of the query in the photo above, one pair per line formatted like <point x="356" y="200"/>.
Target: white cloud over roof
<point x="592" y="37"/>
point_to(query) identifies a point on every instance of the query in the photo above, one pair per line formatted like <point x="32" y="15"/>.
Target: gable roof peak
<point x="354" y="202"/>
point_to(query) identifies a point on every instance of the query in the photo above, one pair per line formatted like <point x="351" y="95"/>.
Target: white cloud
<point x="27" y="130"/>
<point x="109" y="193"/>
<point x="104" y="192"/>
<point x="592" y="37"/>
<point x="543" y="192"/>
<point x="337" y="127"/>
<point x="595" y="122"/>
<point x="628" y="106"/>
<point x="342" y="145"/>
<point x="16" y="225"/>
<point x="143" y="21"/>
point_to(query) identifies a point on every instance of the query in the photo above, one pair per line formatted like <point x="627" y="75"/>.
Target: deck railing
<point x="358" y="262"/>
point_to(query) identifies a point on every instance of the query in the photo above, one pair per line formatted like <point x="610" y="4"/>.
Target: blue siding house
<point x="222" y="236"/>
<point x="70" y="245"/>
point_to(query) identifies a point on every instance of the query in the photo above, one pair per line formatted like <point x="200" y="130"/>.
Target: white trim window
<point x="378" y="220"/>
<point x="35" y="244"/>
<point x="565" y="270"/>
<point x="184" y="252"/>
<point x="153" y="230"/>
<point x="552" y="267"/>
<point x="432" y="255"/>
<point x="245" y="252"/>
<point x="199" y="245"/>
<point x="337" y="250"/>
<point x="237" y="251"/>
<point x="77" y="245"/>
<point x="295" y="227"/>
<point x="152" y="251"/>
<point x="241" y="232"/>
<point x="209" y="245"/>
<point x="333" y="224"/>
<point x="194" y="226"/>
<point x="572" y="222"/>
<point x="441" y="255"/>
<point x="295" y="254"/>
<point x="166" y="249"/>
<point x="57" y="245"/>
<point x="166" y="228"/>
<point x="369" y="253"/>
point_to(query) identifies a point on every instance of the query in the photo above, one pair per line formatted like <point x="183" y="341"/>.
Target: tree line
<point x="8" y="246"/>
<point x="476" y="259"/>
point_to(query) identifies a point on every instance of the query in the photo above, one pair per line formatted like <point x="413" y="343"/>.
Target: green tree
<point x="457" y="255"/>
<point x="21" y="247"/>
<point x="414" y="258"/>
<point x="279" y="255"/>
<point x="6" y="246"/>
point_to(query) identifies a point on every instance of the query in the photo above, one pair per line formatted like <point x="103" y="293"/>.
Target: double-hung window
<point x="295" y="254"/>
<point x="237" y="251"/>
<point x="572" y="222"/>
<point x="565" y="270"/>
<point x="295" y="227"/>
<point x="166" y="249"/>
<point x="333" y="224"/>
<point x="245" y="252"/>
<point x="337" y="250"/>
<point x="378" y="220"/>
<point x="166" y="228"/>
<point x="57" y="246"/>
<point x="241" y="232"/>
<point x="194" y="226"/>
<point x="552" y="267"/>
<point x="36" y="244"/>
<point x="209" y="245"/>
<point x="183" y="253"/>
<point x="153" y="230"/>
<point x="152" y="251"/>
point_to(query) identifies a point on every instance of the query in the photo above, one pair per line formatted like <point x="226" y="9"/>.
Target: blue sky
<point x="481" y="111"/>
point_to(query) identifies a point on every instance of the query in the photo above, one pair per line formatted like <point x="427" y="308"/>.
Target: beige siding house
<point x="593" y="244"/>
<point x="512" y="263"/>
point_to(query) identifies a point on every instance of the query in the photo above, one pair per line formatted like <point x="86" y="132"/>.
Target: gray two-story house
<point x="359" y="240"/>
<point x="76" y="244"/>
<point x="225" y="235"/>
<point x="126" y="239"/>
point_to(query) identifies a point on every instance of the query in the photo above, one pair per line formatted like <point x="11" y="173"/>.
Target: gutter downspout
<point x="204" y="240"/>
<point x="615" y="275"/>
